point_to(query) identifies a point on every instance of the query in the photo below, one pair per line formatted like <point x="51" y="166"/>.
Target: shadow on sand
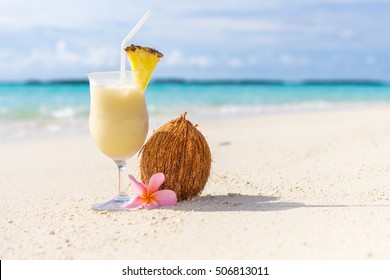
<point x="236" y="203"/>
<point x="250" y="203"/>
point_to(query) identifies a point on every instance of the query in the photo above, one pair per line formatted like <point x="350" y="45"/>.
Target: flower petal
<point x="138" y="188"/>
<point x="155" y="182"/>
<point x="151" y="204"/>
<point x="137" y="202"/>
<point x="165" y="197"/>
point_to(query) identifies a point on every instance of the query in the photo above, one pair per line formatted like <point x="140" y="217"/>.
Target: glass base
<point x="113" y="204"/>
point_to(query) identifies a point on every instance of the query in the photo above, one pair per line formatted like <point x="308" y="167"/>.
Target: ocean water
<point x="43" y="109"/>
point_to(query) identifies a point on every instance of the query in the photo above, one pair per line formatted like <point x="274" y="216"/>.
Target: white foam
<point x="53" y="128"/>
<point x="67" y="112"/>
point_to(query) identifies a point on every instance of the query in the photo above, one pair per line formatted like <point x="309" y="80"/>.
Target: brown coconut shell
<point x="180" y="151"/>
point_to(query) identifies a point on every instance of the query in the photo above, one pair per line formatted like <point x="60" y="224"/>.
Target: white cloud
<point x="235" y="62"/>
<point x="47" y="37"/>
<point x="173" y="58"/>
<point x="70" y="14"/>
<point x="65" y="56"/>
<point x="5" y="54"/>
<point x="101" y="56"/>
<point x="237" y="24"/>
<point x="201" y="60"/>
<point x="177" y="58"/>
<point x="59" y="56"/>
<point x="290" y="60"/>
<point x="252" y="60"/>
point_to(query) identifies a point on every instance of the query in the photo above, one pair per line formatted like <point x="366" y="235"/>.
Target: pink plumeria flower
<point x="149" y="197"/>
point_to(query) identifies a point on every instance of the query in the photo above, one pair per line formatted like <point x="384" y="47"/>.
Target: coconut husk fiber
<point x="180" y="151"/>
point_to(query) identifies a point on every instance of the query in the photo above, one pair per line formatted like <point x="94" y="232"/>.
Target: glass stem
<point x="123" y="194"/>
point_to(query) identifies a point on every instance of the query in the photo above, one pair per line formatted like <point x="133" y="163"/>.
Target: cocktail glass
<point x="118" y="124"/>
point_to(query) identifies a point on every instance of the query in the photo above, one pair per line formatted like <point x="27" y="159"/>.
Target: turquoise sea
<point x="35" y="109"/>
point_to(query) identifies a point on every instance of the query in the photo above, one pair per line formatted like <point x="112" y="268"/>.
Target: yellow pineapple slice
<point x="144" y="60"/>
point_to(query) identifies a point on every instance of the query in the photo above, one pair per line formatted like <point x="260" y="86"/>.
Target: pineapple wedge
<point x="144" y="60"/>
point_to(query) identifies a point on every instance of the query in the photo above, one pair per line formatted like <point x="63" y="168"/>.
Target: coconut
<point x="180" y="151"/>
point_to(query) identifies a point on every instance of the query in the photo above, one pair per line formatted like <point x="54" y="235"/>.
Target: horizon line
<point x="226" y="81"/>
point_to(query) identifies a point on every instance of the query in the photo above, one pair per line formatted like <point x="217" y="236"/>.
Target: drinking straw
<point x="129" y="36"/>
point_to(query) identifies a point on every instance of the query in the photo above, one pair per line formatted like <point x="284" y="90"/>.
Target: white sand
<point x="309" y="185"/>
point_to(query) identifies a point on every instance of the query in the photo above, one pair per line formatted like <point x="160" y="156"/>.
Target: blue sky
<point x="278" y="39"/>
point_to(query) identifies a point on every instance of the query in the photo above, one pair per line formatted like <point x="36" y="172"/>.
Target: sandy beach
<point x="310" y="185"/>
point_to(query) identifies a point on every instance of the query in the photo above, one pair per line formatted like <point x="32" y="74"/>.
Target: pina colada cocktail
<point x="118" y="119"/>
<point x="118" y="123"/>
